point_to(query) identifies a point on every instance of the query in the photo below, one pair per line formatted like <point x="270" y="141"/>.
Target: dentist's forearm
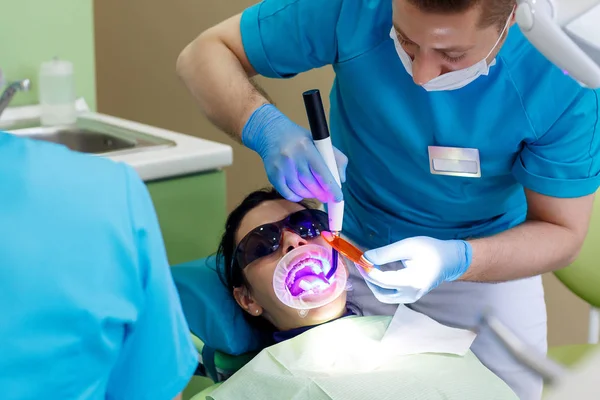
<point x="217" y="73"/>
<point x="530" y="249"/>
<point x="550" y="239"/>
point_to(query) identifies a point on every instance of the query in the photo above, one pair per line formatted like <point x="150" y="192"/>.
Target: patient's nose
<point x="290" y="241"/>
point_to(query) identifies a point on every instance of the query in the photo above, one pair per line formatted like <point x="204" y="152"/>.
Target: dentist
<point x="473" y="160"/>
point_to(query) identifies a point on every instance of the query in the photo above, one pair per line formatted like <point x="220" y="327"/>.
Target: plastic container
<point x="57" y="93"/>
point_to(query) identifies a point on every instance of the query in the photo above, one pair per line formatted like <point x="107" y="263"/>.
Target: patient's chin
<point x="329" y="311"/>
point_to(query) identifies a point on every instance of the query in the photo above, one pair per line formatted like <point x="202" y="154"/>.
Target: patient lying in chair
<point x="321" y="347"/>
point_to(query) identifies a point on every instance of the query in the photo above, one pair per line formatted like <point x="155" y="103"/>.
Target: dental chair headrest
<point x="210" y="310"/>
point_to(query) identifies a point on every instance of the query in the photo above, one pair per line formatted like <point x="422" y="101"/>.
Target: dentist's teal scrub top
<point x="88" y="308"/>
<point x="534" y="127"/>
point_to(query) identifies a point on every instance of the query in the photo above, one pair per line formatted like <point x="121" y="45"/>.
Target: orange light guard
<point x="348" y="250"/>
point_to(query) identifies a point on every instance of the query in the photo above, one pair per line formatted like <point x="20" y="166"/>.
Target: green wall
<point x="33" y="31"/>
<point x="191" y="212"/>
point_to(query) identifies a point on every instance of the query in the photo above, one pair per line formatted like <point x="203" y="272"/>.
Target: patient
<point x="252" y="246"/>
<point x="331" y="352"/>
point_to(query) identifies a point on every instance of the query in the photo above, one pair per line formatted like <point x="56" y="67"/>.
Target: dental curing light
<point x="322" y="139"/>
<point x="348" y="250"/>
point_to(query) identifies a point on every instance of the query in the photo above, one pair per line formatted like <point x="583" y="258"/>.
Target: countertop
<point x="189" y="155"/>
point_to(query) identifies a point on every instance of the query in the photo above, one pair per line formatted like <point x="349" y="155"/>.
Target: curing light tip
<point x="334" y="259"/>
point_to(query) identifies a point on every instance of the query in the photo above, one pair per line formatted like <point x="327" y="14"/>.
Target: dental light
<point x="567" y="33"/>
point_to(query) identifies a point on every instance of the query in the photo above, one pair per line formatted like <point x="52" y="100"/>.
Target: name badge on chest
<point x="454" y="161"/>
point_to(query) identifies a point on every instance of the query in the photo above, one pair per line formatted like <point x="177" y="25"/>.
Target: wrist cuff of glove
<point x="467" y="254"/>
<point x="252" y="134"/>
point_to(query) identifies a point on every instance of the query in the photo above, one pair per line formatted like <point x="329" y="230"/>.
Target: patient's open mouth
<point x="307" y="275"/>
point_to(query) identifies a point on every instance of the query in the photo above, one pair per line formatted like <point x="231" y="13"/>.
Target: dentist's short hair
<point x="494" y="12"/>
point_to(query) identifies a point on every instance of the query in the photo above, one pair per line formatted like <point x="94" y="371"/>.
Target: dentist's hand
<point x="428" y="262"/>
<point x="293" y="164"/>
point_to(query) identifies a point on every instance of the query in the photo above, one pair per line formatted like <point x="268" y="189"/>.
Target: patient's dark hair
<point x="229" y="270"/>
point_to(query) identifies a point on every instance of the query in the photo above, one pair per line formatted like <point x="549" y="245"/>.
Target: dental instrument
<point x="567" y="33"/>
<point x="549" y="370"/>
<point x="348" y="250"/>
<point x="578" y="382"/>
<point x="322" y="139"/>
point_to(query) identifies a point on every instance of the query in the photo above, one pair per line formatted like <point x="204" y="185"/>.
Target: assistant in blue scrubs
<point x="88" y="308"/>
<point x="533" y="127"/>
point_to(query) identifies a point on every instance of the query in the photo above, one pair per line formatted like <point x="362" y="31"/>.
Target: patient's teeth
<point x="305" y="285"/>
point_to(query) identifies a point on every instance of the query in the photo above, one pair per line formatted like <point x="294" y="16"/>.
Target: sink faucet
<point x="10" y="91"/>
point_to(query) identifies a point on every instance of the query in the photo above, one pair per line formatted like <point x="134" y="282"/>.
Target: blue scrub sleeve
<point x="158" y="357"/>
<point x="565" y="161"/>
<point x="283" y="38"/>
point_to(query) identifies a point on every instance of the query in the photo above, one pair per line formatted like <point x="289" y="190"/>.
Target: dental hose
<point x="322" y="139"/>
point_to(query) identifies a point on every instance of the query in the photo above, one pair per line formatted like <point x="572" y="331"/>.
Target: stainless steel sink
<point x="82" y="140"/>
<point x="90" y="136"/>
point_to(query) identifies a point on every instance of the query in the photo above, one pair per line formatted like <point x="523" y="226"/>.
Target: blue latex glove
<point x="293" y="164"/>
<point x="428" y="262"/>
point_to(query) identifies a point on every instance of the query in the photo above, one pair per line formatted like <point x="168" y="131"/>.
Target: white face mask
<point x="454" y="79"/>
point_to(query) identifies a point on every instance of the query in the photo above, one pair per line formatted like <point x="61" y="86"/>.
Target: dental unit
<point x="320" y="133"/>
<point x="567" y="33"/>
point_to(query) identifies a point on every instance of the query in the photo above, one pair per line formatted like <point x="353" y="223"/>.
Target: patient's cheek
<point x="261" y="289"/>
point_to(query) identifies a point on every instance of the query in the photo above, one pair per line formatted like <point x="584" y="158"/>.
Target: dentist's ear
<point x="513" y="16"/>
<point x="245" y="299"/>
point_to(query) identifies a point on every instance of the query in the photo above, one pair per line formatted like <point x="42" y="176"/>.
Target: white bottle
<point x="57" y="93"/>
